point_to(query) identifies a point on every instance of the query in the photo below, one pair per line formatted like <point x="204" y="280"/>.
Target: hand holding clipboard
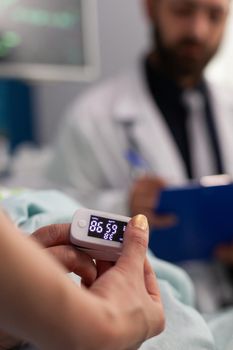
<point x="205" y="220"/>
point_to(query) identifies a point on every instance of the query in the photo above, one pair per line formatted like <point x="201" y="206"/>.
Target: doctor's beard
<point x="185" y="58"/>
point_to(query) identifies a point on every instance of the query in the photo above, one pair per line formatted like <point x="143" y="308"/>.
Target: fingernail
<point x="140" y="221"/>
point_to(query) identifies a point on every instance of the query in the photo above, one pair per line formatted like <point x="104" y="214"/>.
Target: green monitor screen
<point x="48" y="39"/>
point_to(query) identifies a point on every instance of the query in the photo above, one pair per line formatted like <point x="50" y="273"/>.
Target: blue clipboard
<point x="205" y="220"/>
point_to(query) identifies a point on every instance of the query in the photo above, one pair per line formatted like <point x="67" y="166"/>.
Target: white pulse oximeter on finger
<point x="98" y="233"/>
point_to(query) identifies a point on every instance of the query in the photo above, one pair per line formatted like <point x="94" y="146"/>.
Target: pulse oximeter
<point x="99" y="234"/>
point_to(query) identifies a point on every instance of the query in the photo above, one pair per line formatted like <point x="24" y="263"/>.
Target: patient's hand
<point x="55" y="238"/>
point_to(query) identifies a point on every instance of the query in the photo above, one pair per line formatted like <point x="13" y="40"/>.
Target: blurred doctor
<point x="161" y="123"/>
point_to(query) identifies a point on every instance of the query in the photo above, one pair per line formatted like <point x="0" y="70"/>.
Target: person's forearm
<point x="34" y="292"/>
<point x="40" y="304"/>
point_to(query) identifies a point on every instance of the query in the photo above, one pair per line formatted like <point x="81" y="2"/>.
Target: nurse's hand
<point x="55" y="238"/>
<point x="130" y="288"/>
<point x="143" y="197"/>
<point x="225" y="254"/>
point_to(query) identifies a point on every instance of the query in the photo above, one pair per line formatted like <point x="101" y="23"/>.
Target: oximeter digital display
<point x="106" y="228"/>
<point x="99" y="234"/>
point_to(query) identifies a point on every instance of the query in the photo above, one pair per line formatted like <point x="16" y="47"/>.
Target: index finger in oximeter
<point x="98" y="233"/>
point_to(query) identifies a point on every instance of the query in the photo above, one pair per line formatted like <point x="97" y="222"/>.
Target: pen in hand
<point x="138" y="165"/>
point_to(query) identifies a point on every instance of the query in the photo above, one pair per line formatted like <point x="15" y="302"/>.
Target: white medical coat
<point x="89" y="155"/>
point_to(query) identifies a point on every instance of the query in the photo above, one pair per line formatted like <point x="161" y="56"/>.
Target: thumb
<point x="135" y="242"/>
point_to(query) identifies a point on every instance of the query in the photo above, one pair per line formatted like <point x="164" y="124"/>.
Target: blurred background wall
<point x="123" y="37"/>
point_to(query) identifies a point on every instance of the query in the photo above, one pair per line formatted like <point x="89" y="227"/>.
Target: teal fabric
<point x="221" y="327"/>
<point x="185" y="329"/>
<point x="177" y="278"/>
<point x="33" y="209"/>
